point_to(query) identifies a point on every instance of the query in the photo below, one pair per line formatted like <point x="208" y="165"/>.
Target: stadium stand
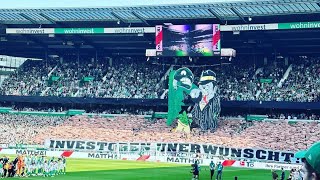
<point x="93" y="81"/>
<point x="276" y="135"/>
<point x="29" y="80"/>
<point x="19" y="129"/>
<point x="138" y="79"/>
<point x="302" y="84"/>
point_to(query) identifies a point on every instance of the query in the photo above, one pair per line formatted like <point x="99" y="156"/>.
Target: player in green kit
<point x="64" y="161"/>
<point x="46" y="169"/>
<point x="27" y="162"/>
<point x="212" y="167"/>
<point x="60" y="166"/>
<point x="51" y="159"/>
<point x="32" y="165"/>
<point x="219" y="169"/>
<point x="39" y="162"/>
<point x="1" y="168"/>
<point x="51" y="167"/>
<point x="35" y="165"/>
<point x="28" y="165"/>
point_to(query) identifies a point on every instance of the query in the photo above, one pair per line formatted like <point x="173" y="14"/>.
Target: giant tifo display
<point x="206" y="97"/>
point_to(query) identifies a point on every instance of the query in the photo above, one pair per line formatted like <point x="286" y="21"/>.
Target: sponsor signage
<point x="249" y="27"/>
<point x="275" y="26"/>
<point x="78" y="30"/>
<point x="102" y="155"/>
<point x="262" y="165"/>
<point x="130" y="30"/>
<point x="136" y="30"/>
<point x="286" y="167"/>
<point x="158" y="29"/>
<point x="206" y="149"/>
<point x="183" y="160"/>
<point x="159" y="38"/>
<point x="30" y="30"/>
<point x="300" y="25"/>
<point x="31" y="152"/>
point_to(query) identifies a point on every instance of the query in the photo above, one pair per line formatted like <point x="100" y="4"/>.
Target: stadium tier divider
<point x="155" y="115"/>
<point x="73" y="112"/>
<point x="5" y="109"/>
<point x="255" y="117"/>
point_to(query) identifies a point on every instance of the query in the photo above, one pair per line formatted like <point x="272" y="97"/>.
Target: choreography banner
<point x="205" y="95"/>
<point x="150" y="158"/>
<point x="153" y="148"/>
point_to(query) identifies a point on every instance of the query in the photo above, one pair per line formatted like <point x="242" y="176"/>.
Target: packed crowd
<point x="269" y="90"/>
<point x="241" y="82"/>
<point x="29" y="80"/>
<point x="294" y="116"/>
<point x="129" y="79"/>
<point x="237" y="84"/>
<point x="19" y="129"/>
<point x="70" y="75"/>
<point x="136" y="78"/>
<point x="303" y="83"/>
<point x="123" y="78"/>
<point x="278" y="135"/>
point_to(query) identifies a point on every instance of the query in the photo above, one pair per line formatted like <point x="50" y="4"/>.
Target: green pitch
<point x="88" y="169"/>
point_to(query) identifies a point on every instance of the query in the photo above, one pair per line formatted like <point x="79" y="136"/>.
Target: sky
<point x="11" y="4"/>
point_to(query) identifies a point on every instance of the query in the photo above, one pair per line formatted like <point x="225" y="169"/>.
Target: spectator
<point x="279" y="135"/>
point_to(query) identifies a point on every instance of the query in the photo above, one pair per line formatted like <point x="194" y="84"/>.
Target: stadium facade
<point x="70" y="72"/>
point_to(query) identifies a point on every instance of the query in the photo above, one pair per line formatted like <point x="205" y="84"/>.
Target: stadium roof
<point x="298" y="41"/>
<point x="247" y="43"/>
<point x="238" y="10"/>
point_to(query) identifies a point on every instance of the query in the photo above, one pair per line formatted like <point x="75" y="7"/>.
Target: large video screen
<point x="188" y="40"/>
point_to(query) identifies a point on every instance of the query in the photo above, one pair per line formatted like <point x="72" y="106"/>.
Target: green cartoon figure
<point x="184" y="123"/>
<point x="180" y="84"/>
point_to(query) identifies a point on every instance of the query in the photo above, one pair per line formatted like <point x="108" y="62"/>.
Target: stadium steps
<point x="104" y="78"/>
<point x="2" y="78"/>
<point x="50" y="73"/>
<point x="258" y="71"/>
<point x="163" y="95"/>
<point x="143" y="158"/>
<point x="163" y="78"/>
<point x="43" y="93"/>
<point x="285" y="76"/>
<point x="76" y="94"/>
<point x="258" y="94"/>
